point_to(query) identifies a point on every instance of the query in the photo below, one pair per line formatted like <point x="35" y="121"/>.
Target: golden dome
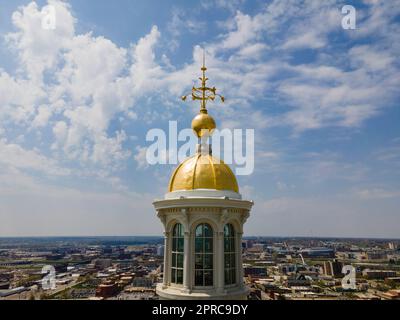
<point x="203" y="171"/>
<point x="203" y="124"/>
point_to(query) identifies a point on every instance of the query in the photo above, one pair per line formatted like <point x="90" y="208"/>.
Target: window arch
<point x="177" y="254"/>
<point x="229" y="254"/>
<point x="204" y="255"/>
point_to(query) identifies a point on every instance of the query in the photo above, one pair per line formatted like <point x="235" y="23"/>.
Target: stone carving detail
<point x="162" y="217"/>
<point x="245" y="217"/>
<point x="224" y="216"/>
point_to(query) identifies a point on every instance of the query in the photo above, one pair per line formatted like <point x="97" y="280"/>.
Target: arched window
<point x="229" y="254"/>
<point x="203" y="255"/>
<point x="177" y="254"/>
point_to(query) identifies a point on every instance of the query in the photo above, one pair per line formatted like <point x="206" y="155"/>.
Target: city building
<point x="318" y="253"/>
<point x="106" y="290"/>
<point x="378" y="274"/>
<point x="255" y="271"/>
<point x="102" y="263"/>
<point x="376" y="255"/>
<point x="160" y="251"/>
<point x="203" y="215"/>
<point x="332" y="268"/>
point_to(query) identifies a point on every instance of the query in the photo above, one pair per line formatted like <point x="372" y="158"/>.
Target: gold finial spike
<point x="204" y="93"/>
<point x="204" y="60"/>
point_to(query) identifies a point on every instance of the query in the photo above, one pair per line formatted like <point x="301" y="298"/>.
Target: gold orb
<point x="203" y="125"/>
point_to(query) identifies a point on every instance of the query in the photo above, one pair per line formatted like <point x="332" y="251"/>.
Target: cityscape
<point x="128" y="268"/>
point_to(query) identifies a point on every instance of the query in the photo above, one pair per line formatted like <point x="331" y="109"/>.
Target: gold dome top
<point x="203" y="171"/>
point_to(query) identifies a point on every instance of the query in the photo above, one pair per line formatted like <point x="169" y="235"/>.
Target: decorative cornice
<point x="202" y="202"/>
<point x="245" y="216"/>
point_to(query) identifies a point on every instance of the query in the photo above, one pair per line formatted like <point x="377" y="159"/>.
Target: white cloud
<point x="140" y="157"/>
<point x="37" y="47"/>
<point x="14" y="156"/>
<point x="246" y="30"/>
<point x="231" y="5"/>
<point x="181" y="22"/>
<point x="60" y="133"/>
<point x="42" y="117"/>
<point x="377" y="193"/>
<point x="95" y="80"/>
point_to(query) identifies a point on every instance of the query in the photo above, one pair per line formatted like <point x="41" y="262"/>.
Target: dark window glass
<point x="208" y="245"/>
<point x="229" y="254"/>
<point x="226" y="244"/>
<point x="199" y="244"/>
<point x="208" y="261"/>
<point x="208" y="278"/>
<point x="198" y="281"/>
<point x="179" y="276"/>
<point x="179" y="246"/>
<point x="198" y="261"/>
<point x="204" y="255"/>
<point x="179" y="260"/>
<point x="173" y="260"/>
<point x="207" y="231"/>
<point x="177" y="254"/>
<point x="199" y="231"/>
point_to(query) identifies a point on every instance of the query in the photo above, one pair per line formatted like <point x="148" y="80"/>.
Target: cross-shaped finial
<point x="204" y="93"/>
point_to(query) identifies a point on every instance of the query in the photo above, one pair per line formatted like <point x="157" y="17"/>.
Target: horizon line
<point x="161" y="236"/>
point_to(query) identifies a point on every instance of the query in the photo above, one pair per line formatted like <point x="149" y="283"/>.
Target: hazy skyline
<point x="76" y="104"/>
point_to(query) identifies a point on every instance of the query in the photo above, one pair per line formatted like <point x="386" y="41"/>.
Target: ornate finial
<point x="204" y="93"/>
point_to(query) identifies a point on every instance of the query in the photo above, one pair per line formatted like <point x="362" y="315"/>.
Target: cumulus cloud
<point x="38" y="48"/>
<point x="95" y="80"/>
<point x="14" y="156"/>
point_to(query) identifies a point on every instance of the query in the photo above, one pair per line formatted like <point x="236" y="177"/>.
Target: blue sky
<point x="76" y="104"/>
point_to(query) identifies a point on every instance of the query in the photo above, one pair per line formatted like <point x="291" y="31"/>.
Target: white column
<point x="239" y="268"/>
<point x="220" y="262"/>
<point x="186" y="262"/>
<point x="166" y="270"/>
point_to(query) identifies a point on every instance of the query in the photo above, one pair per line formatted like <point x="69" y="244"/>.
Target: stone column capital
<point x="224" y="215"/>
<point x="219" y="234"/>
<point x="162" y="216"/>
